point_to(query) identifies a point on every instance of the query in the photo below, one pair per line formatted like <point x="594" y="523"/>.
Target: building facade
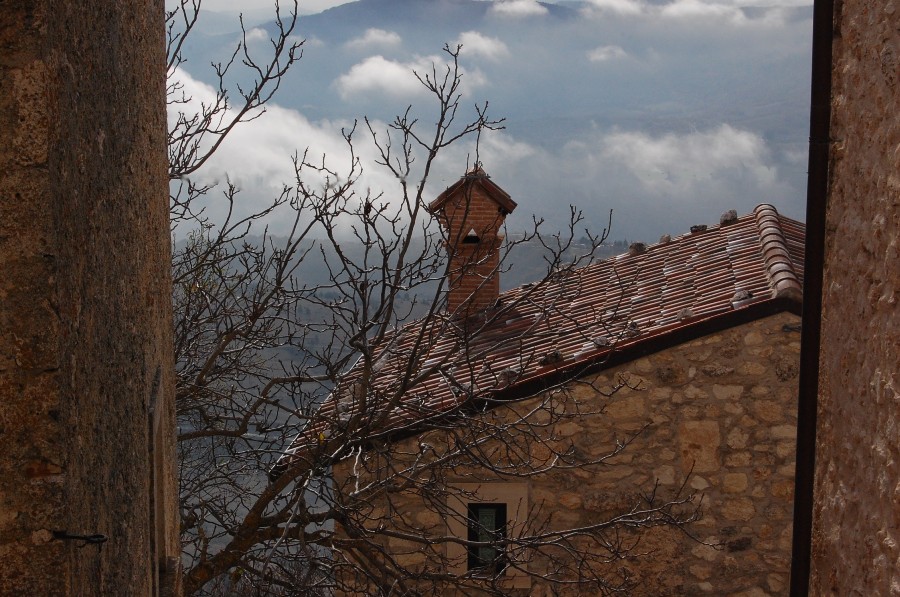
<point x="714" y="417"/>
<point x="628" y="424"/>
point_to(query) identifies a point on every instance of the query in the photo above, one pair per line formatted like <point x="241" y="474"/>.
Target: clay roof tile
<point x="630" y="304"/>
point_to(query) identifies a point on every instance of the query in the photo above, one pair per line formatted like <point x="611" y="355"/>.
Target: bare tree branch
<point x="282" y="345"/>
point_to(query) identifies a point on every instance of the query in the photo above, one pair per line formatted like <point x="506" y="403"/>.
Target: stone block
<point x="630" y="407"/>
<point x="768" y="411"/>
<point x="734" y="483"/>
<point x="665" y="475"/>
<point x="738" y="509"/>
<point x="699" y="443"/>
<point x="728" y="392"/>
<point x="752" y="368"/>
<point x="754" y="338"/>
<point x="784" y="432"/>
<point x="716" y="370"/>
<point x="738" y="438"/>
<point x="695" y="393"/>
<point x="570" y="500"/>
<point x="737" y="459"/>
<point x="698" y="483"/>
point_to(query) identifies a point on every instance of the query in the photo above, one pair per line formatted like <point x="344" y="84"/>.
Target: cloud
<point x="691" y="11"/>
<point x="381" y="75"/>
<point x="689" y="63"/>
<point x="476" y="44"/>
<point x="396" y="79"/>
<point x="375" y="37"/>
<point x="518" y="8"/>
<point x="656" y="184"/>
<point x="256" y="156"/>
<point x="694" y="175"/>
<point x="623" y="7"/>
<point x="764" y="3"/>
<point x="697" y="9"/>
<point x="681" y="163"/>
<point x="306" y="7"/>
<point x="606" y="53"/>
<point x="257" y="34"/>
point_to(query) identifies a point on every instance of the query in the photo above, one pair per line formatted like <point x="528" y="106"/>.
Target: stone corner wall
<point x="722" y="415"/>
<point x="856" y="516"/>
<point x="86" y="372"/>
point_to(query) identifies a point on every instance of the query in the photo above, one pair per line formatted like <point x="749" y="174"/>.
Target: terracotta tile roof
<point x="653" y="297"/>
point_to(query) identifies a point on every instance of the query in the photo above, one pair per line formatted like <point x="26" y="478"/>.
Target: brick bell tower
<point x="472" y="212"/>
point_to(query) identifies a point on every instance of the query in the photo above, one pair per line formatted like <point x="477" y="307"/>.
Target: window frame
<point x="477" y="532"/>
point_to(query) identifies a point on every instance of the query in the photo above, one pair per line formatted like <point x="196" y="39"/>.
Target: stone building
<point x="87" y="455"/>
<point x="700" y="333"/>
<point x="854" y="208"/>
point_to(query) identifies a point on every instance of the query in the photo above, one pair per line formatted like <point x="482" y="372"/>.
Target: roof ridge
<point x="776" y="257"/>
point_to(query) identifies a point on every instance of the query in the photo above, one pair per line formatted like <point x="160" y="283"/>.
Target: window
<point x="485" y="513"/>
<point x="487" y="523"/>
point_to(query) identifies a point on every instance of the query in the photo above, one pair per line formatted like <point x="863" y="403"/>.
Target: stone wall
<point x="720" y="412"/>
<point x="856" y="527"/>
<point x="86" y="372"/>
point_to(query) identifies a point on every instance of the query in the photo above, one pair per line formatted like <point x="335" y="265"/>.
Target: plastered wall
<point x="86" y="384"/>
<point x="856" y="534"/>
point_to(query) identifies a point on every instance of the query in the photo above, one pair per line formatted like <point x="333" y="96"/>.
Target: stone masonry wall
<point x="86" y="372"/>
<point x="856" y="532"/>
<point x="722" y="408"/>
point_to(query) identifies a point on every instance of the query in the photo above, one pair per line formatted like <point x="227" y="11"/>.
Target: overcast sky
<point x="667" y="111"/>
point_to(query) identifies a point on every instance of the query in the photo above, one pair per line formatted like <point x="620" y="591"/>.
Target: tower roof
<point x="476" y="176"/>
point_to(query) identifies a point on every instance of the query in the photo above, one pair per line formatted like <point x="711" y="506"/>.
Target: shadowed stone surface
<point x="86" y="386"/>
<point x="856" y="536"/>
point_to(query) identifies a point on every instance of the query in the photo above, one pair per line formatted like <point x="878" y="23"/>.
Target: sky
<point x="669" y="112"/>
<point x="306" y="7"/>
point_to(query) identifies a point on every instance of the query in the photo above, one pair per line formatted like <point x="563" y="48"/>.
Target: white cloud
<point x="257" y="34"/>
<point x="679" y="163"/>
<point x="397" y="79"/>
<point x="729" y="11"/>
<point x="256" y="155"/>
<point x="691" y="174"/>
<point x="518" y="8"/>
<point x="476" y="44"/>
<point x="375" y="37"/>
<point x="379" y="74"/>
<point x="606" y="53"/>
<point x="623" y="7"/>
<point x="697" y="9"/>
<point x="764" y="3"/>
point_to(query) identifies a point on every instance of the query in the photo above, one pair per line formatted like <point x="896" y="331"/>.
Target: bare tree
<point x="272" y="359"/>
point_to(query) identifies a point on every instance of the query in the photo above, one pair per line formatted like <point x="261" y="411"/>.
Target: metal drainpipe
<point x="816" y="203"/>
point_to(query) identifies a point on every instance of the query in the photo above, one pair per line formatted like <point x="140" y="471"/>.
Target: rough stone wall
<point x="724" y="407"/>
<point x="857" y="491"/>
<point x="86" y="370"/>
